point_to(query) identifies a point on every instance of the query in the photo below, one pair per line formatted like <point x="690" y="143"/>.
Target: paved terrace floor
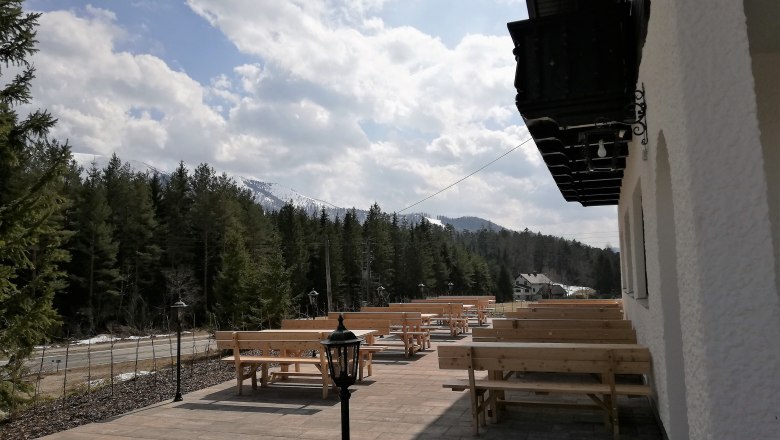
<point x="402" y="400"/>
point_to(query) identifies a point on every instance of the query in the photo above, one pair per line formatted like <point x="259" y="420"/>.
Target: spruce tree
<point x="232" y="286"/>
<point x="95" y="279"/>
<point x="31" y="202"/>
<point x="505" y="288"/>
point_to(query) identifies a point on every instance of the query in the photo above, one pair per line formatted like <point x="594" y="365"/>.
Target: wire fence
<point x="63" y="367"/>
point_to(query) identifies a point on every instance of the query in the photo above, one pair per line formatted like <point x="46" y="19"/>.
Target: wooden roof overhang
<point x="576" y="77"/>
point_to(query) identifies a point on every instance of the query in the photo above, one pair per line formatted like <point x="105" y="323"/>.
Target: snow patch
<point x="97" y="340"/>
<point x="120" y="377"/>
<point x="435" y="221"/>
<point x="571" y="290"/>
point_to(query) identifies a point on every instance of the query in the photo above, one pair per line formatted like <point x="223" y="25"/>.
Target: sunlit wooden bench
<point x="451" y="314"/>
<point x="478" y="310"/>
<point x="531" y="324"/>
<point x="569" y="361"/>
<point x="282" y="349"/>
<point x="407" y="326"/>
<point x="578" y="303"/>
<point x="367" y="351"/>
<point x="565" y="313"/>
<point x="555" y="332"/>
<point x="581" y="302"/>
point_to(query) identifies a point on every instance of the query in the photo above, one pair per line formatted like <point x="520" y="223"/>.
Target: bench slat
<point x="272" y="359"/>
<point x="551" y="387"/>
<point x="567" y="313"/>
<point x="561" y="323"/>
<point x="588" y="335"/>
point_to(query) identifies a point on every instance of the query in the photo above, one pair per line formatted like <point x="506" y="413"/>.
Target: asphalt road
<point x="82" y="355"/>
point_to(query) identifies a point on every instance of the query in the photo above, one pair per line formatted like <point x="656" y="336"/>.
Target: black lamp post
<point x="449" y="287"/>
<point x="313" y="301"/>
<point x="381" y="293"/>
<point x="178" y="308"/>
<point x="421" y="286"/>
<point x="342" y="348"/>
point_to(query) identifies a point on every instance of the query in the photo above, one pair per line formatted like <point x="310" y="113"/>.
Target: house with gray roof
<point x="535" y="285"/>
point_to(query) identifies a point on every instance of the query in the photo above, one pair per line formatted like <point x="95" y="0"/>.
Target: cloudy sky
<point x="352" y="102"/>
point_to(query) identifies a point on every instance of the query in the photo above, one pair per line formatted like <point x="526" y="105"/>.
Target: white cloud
<point x="109" y="101"/>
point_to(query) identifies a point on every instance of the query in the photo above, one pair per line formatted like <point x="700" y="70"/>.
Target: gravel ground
<point x="79" y="409"/>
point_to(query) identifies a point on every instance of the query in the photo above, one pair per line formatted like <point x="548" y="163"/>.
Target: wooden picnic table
<point x="367" y="335"/>
<point x="284" y="348"/>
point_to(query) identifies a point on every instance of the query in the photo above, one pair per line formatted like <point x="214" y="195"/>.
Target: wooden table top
<point x="358" y="333"/>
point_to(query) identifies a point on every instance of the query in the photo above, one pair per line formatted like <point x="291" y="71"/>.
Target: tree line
<point x="138" y="241"/>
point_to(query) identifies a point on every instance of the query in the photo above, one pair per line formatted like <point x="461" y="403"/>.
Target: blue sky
<point x="353" y="102"/>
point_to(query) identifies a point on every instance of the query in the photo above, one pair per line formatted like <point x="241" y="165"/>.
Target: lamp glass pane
<point x="329" y="352"/>
<point x="350" y="359"/>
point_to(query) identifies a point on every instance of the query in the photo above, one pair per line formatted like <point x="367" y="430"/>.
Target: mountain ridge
<point x="273" y="196"/>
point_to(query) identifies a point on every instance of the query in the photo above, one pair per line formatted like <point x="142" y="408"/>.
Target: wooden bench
<point x="561" y="323"/>
<point x="490" y="298"/>
<point x="565" y="313"/>
<point x="452" y="314"/>
<point x="491" y="301"/>
<point x="366" y="351"/>
<point x="479" y="306"/>
<point x="574" y="306"/>
<point x="569" y="361"/>
<point x="283" y="349"/>
<point x="406" y="325"/>
<point x="582" y="302"/>
<point x="554" y="334"/>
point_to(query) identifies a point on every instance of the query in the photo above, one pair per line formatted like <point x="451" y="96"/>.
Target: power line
<point x="464" y="178"/>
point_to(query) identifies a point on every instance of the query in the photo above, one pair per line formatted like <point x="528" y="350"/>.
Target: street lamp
<point x="313" y="301"/>
<point x="342" y="348"/>
<point x="178" y="308"/>
<point x="381" y="293"/>
<point x="449" y="287"/>
<point x="421" y="286"/>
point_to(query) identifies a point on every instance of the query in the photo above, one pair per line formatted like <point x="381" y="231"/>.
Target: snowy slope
<point x="272" y="196"/>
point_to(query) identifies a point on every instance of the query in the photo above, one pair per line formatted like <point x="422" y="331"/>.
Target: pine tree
<point x="31" y="202"/>
<point x="351" y="253"/>
<point x="232" y="286"/>
<point x="295" y="248"/>
<point x="204" y="217"/>
<point x="95" y="279"/>
<point x="176" y="231"/>
<point x="505" y="287"/>
<point x="376" y="231"/>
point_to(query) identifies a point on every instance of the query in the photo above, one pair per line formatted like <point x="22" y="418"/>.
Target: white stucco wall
<point x="712" y="320"/>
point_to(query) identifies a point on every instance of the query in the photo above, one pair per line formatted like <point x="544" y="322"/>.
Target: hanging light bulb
<point x="602" y="152"/>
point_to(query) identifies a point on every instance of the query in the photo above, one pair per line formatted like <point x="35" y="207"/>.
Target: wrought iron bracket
<point x="640" y="105"/>
<point x="640" y="124"/>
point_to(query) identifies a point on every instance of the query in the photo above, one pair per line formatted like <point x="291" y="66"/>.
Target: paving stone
<point x="403" y="400"/>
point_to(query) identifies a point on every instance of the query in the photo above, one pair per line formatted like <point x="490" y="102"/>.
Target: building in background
<point x="536" y="285"/>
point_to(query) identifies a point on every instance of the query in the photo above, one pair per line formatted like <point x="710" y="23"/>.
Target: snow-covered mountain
<point x="272" y="196"/>
<point x="86" y="160"/>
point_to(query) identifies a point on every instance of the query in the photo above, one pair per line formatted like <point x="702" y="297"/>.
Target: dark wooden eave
<point x="576" y="75"/>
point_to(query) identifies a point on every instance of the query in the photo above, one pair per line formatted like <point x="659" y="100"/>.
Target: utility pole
<point x="366" y="272"/>
<point x="327" y="274"/>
